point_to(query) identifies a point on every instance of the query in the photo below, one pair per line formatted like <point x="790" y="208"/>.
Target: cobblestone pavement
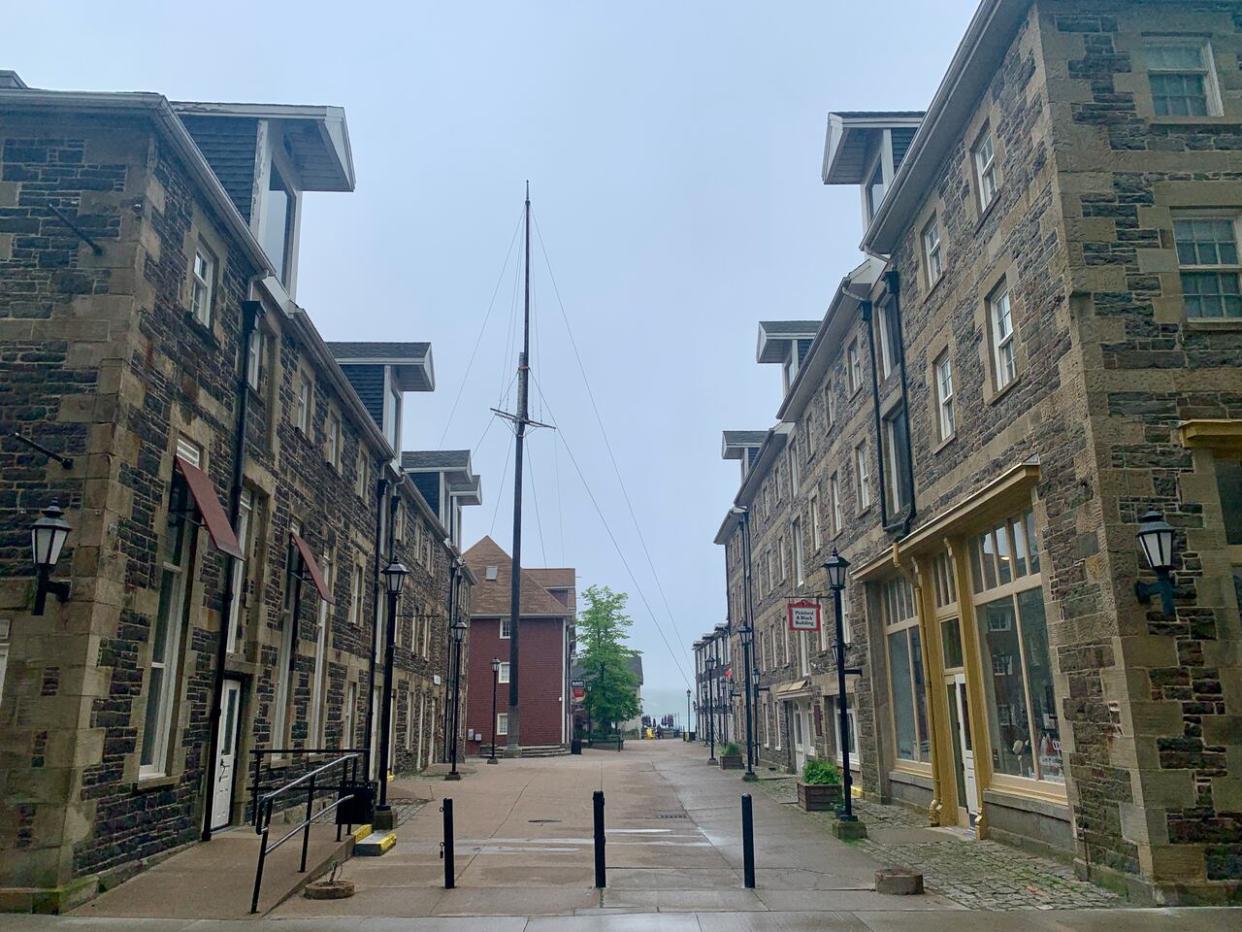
<point x="972" y="873"/>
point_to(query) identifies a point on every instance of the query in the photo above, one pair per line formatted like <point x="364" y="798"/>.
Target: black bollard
<point x="748" y="843"/>
<point x="449" y="872"/>
<point x="600" y="869"/>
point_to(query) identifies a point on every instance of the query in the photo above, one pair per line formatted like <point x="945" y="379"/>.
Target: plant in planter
<point x="730" y="757"/>
<point x="819" y="790"/>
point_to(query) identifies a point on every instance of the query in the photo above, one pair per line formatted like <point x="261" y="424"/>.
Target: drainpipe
<point x="381" y="491"/>
<point x="251" y="312"/>
<point x="865" y="310"/>
<point x="893" y="280"/>
<point x="454" y="648"/>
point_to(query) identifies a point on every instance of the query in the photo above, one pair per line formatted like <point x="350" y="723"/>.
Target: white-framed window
<point x="783" y="549"/>
<point x="1211" y="273"/>
<point x="830" y="403"/>
<point x="504" y="629"/>
<point x="984" y="157"/>
<point x="897" y="457"/>
<point x="491" y="573"/>
<point x="834" y="500"/>
<point x="318" y="711"/>
<point x="853" y="358"/>
<point x="943" y="375"/>
<point x="833" y="728"/>
<point x="246" y="507"/>
<point x="254" y="358"/>
<point x="302" y="403"/>
<point x="795" y="477"/>
<point x="278" y="223"/>
<point x="816" y="538"/>
<point x="886" y="323"/>
<point x="502" y="723"/>
<point x="332" y="440"/>
<point x="799" y="562"/>
<point x="862" y="469"/>
<point x="1182" y="75"/>
<point x="175" y="556"/>
<point x="502" y="675"/>
<point x="1000" y="316"/>
<point x="202" y="285"/>
<point x="933" y="252"/>
<point x="875" y="189"/>
<point x="356" y="601"/>
<point x="362" y="481"/>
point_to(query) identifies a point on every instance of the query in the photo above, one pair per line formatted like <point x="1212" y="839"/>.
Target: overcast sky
<point x="674" y="152"/>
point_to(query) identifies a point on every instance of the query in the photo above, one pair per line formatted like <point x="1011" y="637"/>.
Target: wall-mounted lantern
<point x="1155" y="536"/>
<point x="47" y="539"/>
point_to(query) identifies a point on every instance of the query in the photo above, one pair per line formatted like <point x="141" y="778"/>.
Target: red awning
<point x="209" y="507"/>
<point x="308" y="559"/>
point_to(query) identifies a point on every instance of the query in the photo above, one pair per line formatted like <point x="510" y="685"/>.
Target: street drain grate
<point x="542" y="821"/>
<point x="671" y="815"/>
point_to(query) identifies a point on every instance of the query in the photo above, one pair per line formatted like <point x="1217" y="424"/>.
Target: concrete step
<point x="375" y="844"/>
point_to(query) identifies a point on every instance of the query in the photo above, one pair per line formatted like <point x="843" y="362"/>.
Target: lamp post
<point x="710" y="664"/>
<point x="1155" y="536"/>
<point x="458" y="629"/>
<point x="747" y="634"/>
<point x="394" y="576"/>
<point x="687" y="729"/>
<point x="47" y="539"/>
<point x="836" y="568"/>
<point x="495" y="680"/>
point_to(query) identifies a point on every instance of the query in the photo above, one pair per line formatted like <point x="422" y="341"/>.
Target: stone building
<point x="1044" y="343"/>
<point x="232" y="492"/>
<point x="548" y="609"/>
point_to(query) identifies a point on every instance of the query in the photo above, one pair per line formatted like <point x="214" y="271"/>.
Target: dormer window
<point x="278" y="213"/>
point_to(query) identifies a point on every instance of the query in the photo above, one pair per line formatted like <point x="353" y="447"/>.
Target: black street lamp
<point x="495" y="680"/>
<point x="747" y="634"/>
<point x="47" y="539"/>
<point x="836" y="567"/>
<point x="710" y="664"/>
<point x="1155" y="536"/>
<point x="458" y="629"/>
<point x="394" y="576"/>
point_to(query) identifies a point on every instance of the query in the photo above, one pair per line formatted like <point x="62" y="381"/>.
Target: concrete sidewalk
<point x="524" y="846"/>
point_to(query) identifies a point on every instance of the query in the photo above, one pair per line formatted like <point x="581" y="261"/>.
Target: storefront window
<point x="905" y="669"/>
<point x="903" y="700"/>
<point x="1013" y="633"/>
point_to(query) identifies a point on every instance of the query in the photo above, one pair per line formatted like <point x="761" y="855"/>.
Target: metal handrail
<point x="263" y="812"/>
<point x="256" y="770"/>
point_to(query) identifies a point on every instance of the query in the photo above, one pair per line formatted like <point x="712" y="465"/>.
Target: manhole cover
<point x="671" y="815"/>
<point x="542" y="821"/>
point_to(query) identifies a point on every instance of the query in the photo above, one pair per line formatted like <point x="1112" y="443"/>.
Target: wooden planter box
<point x="819" y="797"/>
<point x="731" y="762"/>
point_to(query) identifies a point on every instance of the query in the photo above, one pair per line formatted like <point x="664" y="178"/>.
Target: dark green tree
<point x="612" y="688"/>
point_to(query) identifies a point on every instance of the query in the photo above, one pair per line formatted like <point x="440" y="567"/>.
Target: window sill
<point x="1181" y="122"/>
<point x="1000" y="393"/>
<point x="986" y="213"/>
<point x="160" y="781"/>
<point x="203" y="330"/>
<point x="944" y="443"/>
<point x="933" y="287"/>
<point x="1214" y="325"/>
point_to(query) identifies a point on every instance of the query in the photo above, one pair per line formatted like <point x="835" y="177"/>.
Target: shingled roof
<point x="492" y="596"/>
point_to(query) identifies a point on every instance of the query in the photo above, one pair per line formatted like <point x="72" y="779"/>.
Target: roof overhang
<point x="973" y="65"/>
<point x="317" y="138"/>
<point x="414" y="372"/>
<point x="776" y="335"/>
<point x="849" y="142"/>
<point x="847" y="299"/>
<point x="735" y="443"/>
<point x="775" y="442"/>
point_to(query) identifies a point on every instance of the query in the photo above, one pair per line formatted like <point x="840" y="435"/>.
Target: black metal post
<point x="687" y="730"/>
<point x="748" y="643"/>
<point x="600" y="864"/>
<point x="847" y="811"/>
<point x="711" y="725"/>
<point x="495" y="679"/>
<point x="310" y="810"/>
<point x="390" y="632"/>
<point x="453" y="774"/>
<point x="450" y="879"/>
<point x="748" y="843"/>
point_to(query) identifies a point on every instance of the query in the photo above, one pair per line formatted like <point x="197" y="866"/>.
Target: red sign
<point x="803" y="616"/>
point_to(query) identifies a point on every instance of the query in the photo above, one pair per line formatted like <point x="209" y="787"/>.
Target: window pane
<point x="151" y="722"/>
<point x="989" y="561"/>
<point x="1032" y="540"/>
<point x="903" y="701"/>
<point x="951" y="638"/>
<point x="277" y="215"/>
<point x="1039" y="684"/>
<point x="1229" y="485"/>
<point x="1175" y="57"/>
<point x="920" y="694"/>
<point x="1003" y="563"/>
<point x="1008" y="721"/>
<point x="1211" y="294"/>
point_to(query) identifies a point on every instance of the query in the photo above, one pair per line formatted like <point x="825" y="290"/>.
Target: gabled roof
<point x="850" y="140"/>
<point x="317" y="137"/>
<point x="436" y="459"/>
<point x="492" y="596"/>
<point x="776" y="335"/>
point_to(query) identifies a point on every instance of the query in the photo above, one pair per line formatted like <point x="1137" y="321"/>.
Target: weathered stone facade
<point x="108" y="356"/>
<point x="1041" y="197"/>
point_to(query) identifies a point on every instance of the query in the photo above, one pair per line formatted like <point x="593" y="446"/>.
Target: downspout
<point x="450" y="690"/>
<point x="381" y="491"/>
<point x="865" y="309"/>
<point x="251" y="312"/>
<point x="893" y="280"/>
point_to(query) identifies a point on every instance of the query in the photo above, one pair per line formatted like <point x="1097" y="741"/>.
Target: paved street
<point x="524" y="861"/>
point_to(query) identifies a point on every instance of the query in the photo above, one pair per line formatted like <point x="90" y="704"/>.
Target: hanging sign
<point x="803" y="615"/>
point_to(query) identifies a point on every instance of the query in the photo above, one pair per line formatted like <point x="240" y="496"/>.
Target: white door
<point x="799" y="737"/>
<point x="967" y="745"/>
<point x="226" y="762"/>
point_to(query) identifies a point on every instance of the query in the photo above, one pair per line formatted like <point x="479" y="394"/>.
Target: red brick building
<point x="547" y="637"/>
